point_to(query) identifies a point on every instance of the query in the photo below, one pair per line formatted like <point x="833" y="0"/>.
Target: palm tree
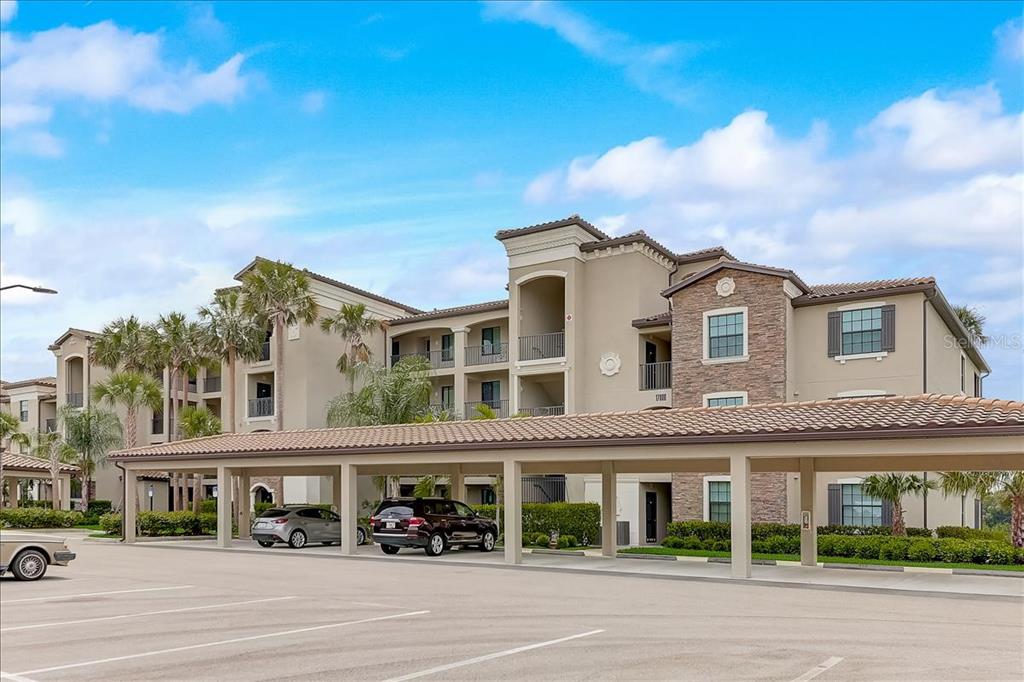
<point x="891" y="488"/>
<point x="124" y="344"/>
<point x="352" y="323"/>
<point x="985" y="483"/>
<point x="10" y="433"/>
<point x="276" y="292"/>
<point x="51" y="447"/>
<point x="197" y="422"/>
<point x="233" y="335"/>
<point x="972" y="320"/>
<point x="178" y="342"/>
<point x="130" y="390"/>
<point x="92" y="433"/>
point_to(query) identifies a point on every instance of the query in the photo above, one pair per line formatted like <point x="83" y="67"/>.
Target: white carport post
<point x="739" y="510"/>
<point x="348" y="504"/>
<point x="65" y="492"/>
<point x="609" y="507"/>
<point x="808" y="522"/>
<point x="223" y="506"/>
<point x="513" y="494"/>
<point x="457" y="483"/>
<point x="244" y="510"/>
<point x="128" y="511"/>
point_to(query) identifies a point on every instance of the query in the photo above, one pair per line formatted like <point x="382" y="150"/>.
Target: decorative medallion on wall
<point x="610" y="364"/>
<point x="725" y="287"/>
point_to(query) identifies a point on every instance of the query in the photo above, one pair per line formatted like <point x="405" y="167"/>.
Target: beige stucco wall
<point x="943" y="359"/>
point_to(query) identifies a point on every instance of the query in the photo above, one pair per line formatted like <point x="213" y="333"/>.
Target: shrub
<point x="258" y="508"/>
<point x="759" y="547"/>
<point x="177" y="523"/>
<point x="567" y="541"/>
<point x="922" y="550"/>
<point x="704" y="530"/>
<point x="1001" y="554"/>
<point x="720" y="546"/>
<point x="209" y="506"/>
<point x="39" y="517"/>
<point x="44" y="504"/>
<point x="893" y="549"/>
<point x="781" y="544"/>
<point x="692" y="542"/>
<point x="868" y="547"/>
<point x="953" y="550"/>
<point x="579" y="519"/>
<point x="919" y="533"/>
<point x="854" y="530"/>
<point x="962" y="533"/>
<point x="766" y="531"/>
<point x="672" y="542"/>
<point x="111" y="523"/>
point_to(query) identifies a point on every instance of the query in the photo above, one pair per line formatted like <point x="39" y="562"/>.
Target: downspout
<point x="924" y="343"/>
<point x="124" y="496"/>
<point x="926" y="500"/>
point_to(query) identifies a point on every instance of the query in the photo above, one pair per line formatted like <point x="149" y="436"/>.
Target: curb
<point x="981" y="571"/>
<point x="559" y="552"/>
<point x="866" y="567"/>
<point x="646" y="557"/>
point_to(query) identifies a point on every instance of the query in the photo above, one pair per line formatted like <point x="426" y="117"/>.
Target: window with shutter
<point x="834" y="334"/>
<point x="835" y="504"/>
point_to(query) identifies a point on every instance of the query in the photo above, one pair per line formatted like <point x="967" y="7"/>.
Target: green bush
<point x="176" y="523"/>
<point x="579" y="519"/>
<point x="567" y="542"/>
<point x="542" y="539"/>
<point x="1002" y="554"/>
<point x="962" y="533"/>
<point x="32" y="504"/>
<point x="111" y="523"/>
<point x="854" y="530"/>
<point x="38" y="517"/>
<point x="766" y="531"/>
<point x="208" y="506"/>
<point x="781" y="544"/>
<point x="922" y="550"/>
<point x="703" y="530"/>
<point x="258" y="508"/>
<point x="919" y="533"/>
<point x="672" y="542"/>
<point x="954" y="550"/>
<point x="893" y="549"/>
<point x="720" y="546"/>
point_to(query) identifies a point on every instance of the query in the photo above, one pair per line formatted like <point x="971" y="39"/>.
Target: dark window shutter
<point x="886" y="513"/>
<point x="835" y="334"/>
<point x="888" y="328"/>
<point x="835" y="504"/>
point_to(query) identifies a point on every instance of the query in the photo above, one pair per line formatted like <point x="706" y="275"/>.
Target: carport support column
<point x="65" y="492"/>
<point x="808" y="525"/>
<point x="512" y="492"/>
<point x="224" y="506"/>
<point x="739" y="477"/>
<point x="348" y="507"/>
<point x="128" y="511"/>
<point x="609" y="507"/>
<point x="244" y="531"/>
<point x="457" y="483"/>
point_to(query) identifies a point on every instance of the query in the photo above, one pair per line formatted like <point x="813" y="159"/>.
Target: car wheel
<point x="389" y="549"/>
<point x="29" y="565"/>
<point x="265" y="543"/>
<point x="297" y="540"/>
<point x="360" y="536"/>
<point x="435" y="545"/>
<point x="487" y="541"/>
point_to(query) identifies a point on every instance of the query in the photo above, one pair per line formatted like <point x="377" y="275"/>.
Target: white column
<point x="739" y="477"/>
<point x="609" y="505"/>
<point x="513" y="499"/>
<point x="513" y="393"/>
<point x="65" y="492"/>
<point x="457" y="483"/>
<point x="808" y="522"/>
<point x="348" y="507"/>
<point x="459" y="377"/>
<point x="128" y="513"/>
<point x="244" y="507"/>
<point x="223" y="506"/>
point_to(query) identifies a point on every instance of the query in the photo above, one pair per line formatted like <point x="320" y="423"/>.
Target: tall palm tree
<point x="279" y="294"/>
<point x="390" y="395"/>
<point x="124" y="344"/>
<point x="891" y="488"/>
<point x="10" y="433"/>
<point x="92" y="433"/>
<point x="197" y="422"/>
<point x="352" y="324"/>
<point x="130" y="390"/>
<point x="50" y="446"/>
<point x="973" y="321"/>
<point x="178" y="342"/>
<point x="234" y="335"/>
<point x="985" y="483"/>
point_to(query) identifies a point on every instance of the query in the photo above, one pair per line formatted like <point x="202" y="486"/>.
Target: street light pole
<point x="38" y="290"/>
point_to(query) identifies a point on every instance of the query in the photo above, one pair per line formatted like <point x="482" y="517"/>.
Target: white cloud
<point x="313" y="101"/>
<point x="1010" y="39"/>
<point x="37" y="143"/>
<point x="8" y="8"/>
<point x="651" y="67"/>
<point x="21" y="214"/>
<point x="247" y="211"/>
<point x="14" y="115"/>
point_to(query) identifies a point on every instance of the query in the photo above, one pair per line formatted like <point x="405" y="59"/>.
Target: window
<point x="23" y="408"/>
<point x="725" y="336"/>
<point x="448" y="347"/>
<point x="396" y="349"/>
<point x="490" y="340"/>
<point x="730" y="401"/>
<point x="860" y="509"/>
<point x="463" y="510"/>
<point x="447" y="397"/>
<point x="862" y="331"/>
<point x="963" y="374"/>
<point x="719" y="501"/>
<point x="490" y="393"/>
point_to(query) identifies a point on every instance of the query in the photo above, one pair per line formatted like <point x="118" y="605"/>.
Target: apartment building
<point x="33" y="402"/>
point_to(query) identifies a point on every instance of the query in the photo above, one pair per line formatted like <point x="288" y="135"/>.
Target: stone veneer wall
<point x="273" y="483"/>
<point x="763" y="376"/>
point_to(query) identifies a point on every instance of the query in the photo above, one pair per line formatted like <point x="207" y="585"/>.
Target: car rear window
<point x="274" y="513"/>
<point x="393" y="508"/>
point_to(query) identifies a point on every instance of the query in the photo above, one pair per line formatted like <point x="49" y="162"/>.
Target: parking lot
<point x="128" y="613"/>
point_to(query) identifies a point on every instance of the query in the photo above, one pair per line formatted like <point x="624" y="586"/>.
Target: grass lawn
<point x="823" y="559"/>
<point x="89" y="526"/>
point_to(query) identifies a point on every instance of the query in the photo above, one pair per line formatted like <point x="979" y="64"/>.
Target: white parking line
<point x="14" y="678"/>
<point x="95" y="594"/>
<point x="819" y="669"/>
<point x="206" y="645"/>
<point x="489" y="657"/>
<point x="145" y="613"/>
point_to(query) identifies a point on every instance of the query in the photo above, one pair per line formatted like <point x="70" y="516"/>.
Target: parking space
<point x="162" y="612"/>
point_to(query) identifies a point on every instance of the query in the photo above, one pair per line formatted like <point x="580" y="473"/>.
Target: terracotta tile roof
<point x="447" y="312"/>
<point x="735" y="265"/>
<point x="41" y="381"/>
<point x="26" y="463"/>
<point x="658" y="320"/>
<point x="892" y="417"/>
<point x="70" y="332"/>
<point x="875" y="286"/>
<point x="574" y="219"/>
<point x="704" y="254"/>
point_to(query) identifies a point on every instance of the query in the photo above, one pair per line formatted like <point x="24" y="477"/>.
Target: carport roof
<point x="882" y="417"/>
<point x="15" y="462"/>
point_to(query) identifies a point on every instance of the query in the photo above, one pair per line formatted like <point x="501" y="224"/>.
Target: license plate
<point x="389" y="524"/>
<point x="263" y="524"/>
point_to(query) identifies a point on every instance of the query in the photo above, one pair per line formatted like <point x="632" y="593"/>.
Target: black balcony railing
<point x="211" y="384"/>
<point x="265" y="352"/>
<point x="261" y="407"/>
<point x="437" y="359"/>
<point x="542" y="346"/>
<point x="487" y="354"/>
<point x="655" y="376"/>
<point x="75" y="399"/>
<point x="545" y="411"/>
<point x="500" y="407"/>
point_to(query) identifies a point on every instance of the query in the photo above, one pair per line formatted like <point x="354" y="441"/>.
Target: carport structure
<point x="917" y="433"/>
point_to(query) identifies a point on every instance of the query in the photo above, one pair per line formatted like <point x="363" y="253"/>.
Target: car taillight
<point x="281" y="520"/>
<point x="416" y="521"/>
<point x="373" y="520"/>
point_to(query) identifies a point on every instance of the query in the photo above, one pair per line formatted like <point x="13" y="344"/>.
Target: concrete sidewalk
<point x="923" y="583"/>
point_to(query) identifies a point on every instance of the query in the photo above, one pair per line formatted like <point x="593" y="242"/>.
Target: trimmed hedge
<point x="580" y="520"/>
<point x="962" y="533"/>
<point x="165" y="523"/>
<point x="949" y="550"/>
<point x="718" y="530"/>
<point x="39" y="517"/>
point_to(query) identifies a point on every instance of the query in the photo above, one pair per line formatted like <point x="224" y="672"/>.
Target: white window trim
<point x="724" y="394"/>
<point x="707" y="492"/>
<point x="862" y="393"/>
<point x="841" y="359"/>
<point x="705" y="339"/>
<point x="964" y="367"/>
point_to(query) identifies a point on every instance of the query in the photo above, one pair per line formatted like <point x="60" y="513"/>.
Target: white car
<point x="27" y="555"/>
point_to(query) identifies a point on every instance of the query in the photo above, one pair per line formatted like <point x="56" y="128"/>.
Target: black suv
<point x="432" y="523"/>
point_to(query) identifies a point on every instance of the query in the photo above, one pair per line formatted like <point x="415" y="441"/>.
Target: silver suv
<point x="298" y="525"/>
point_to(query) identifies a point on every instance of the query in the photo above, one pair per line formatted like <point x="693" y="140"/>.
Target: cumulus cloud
<point x="1010" y="39"/>
<point x="8" y="8"/>
<point x="245" y="212"/>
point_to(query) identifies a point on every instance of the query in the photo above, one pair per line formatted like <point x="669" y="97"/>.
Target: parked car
<point x="27" y="555"/>
<point x="431" y="523"/>
<point x="298" y="525"/>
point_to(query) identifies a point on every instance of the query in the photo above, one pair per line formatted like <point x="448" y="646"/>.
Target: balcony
<point x="546" y="411"/>
<point x="51" y="425"/>
<point x="211" y="385"/>
<point x="439" y="408"/>
<point x="437" y="359"/>
<point x="500" y="407"/>
<point x="265" y="352"/>
<point x="261" y="407"/>
<point x="655" y="376"/>
<point x="542" y="346"/>
<point x="487" y="354"/>
<point x="75" y="399"/>
<point x="193" y="386"/>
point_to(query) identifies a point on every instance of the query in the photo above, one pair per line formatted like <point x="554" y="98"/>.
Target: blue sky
<point x="149" y="151"/>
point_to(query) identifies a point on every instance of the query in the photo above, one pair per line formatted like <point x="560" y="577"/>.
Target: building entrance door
<point x="651" y="505"/>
